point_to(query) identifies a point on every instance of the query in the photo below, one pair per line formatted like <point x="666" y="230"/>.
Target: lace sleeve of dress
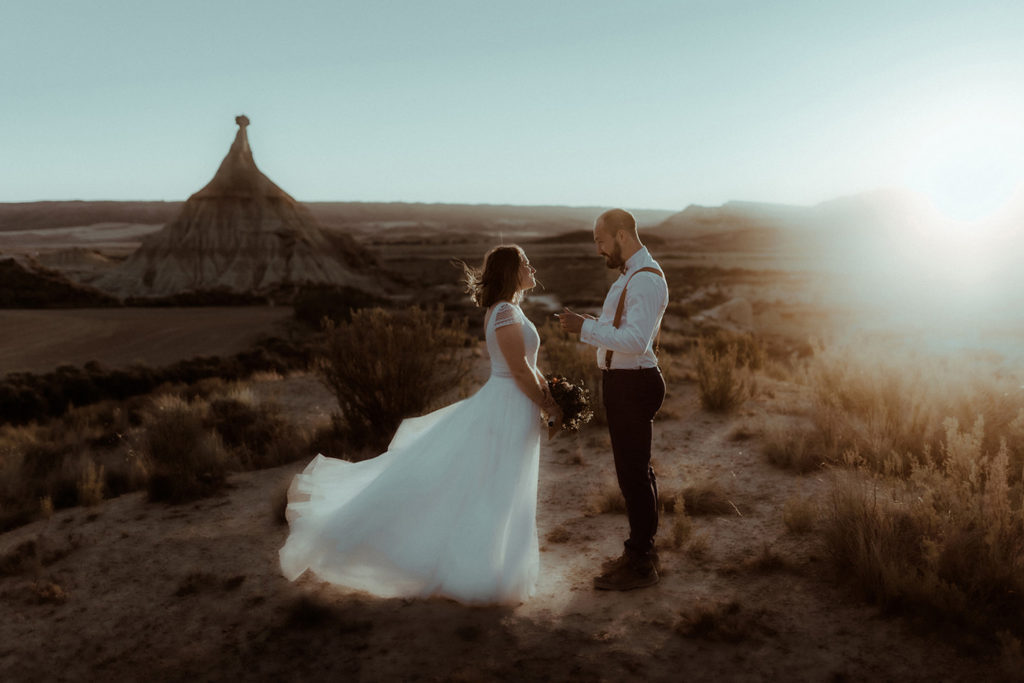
<point x="505" y="314"/>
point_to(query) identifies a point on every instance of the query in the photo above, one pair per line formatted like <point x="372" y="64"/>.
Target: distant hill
<point x="587" y="237"/>
<point x="359" y="216"/>
<point x="41" y="215"/>
<point x="839" y="222"/>
<point x="26" y="284"/>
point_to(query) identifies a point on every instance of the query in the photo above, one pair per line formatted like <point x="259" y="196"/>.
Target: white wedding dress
<point x="448" y="510"/>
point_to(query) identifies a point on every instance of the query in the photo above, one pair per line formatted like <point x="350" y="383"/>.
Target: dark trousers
<point x="631" y="399"/>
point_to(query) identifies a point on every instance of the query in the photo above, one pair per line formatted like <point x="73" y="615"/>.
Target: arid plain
<point x="755" y="586"/>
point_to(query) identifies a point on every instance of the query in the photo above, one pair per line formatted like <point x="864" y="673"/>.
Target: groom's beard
<point x="614" y="260"/>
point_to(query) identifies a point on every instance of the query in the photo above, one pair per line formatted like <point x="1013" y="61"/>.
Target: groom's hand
<point x="571" y="321"/>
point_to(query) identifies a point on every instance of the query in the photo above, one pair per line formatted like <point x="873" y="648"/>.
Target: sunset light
<point x="664" y="340"/>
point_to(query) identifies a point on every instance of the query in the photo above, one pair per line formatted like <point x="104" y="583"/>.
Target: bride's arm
<point x="510" y="341"/>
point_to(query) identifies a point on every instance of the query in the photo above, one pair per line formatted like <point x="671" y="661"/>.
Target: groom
<point x="632" y="385"/>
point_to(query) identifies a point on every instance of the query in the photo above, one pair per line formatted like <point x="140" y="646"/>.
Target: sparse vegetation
<point x="708" y="498"/>
<point x="947" y="540"/>
<point x="890" y="406"/>
<point x="558" y="535"/>
<point x="681" y="528"/>
<point x="177" y="444"/>
<point x="800" y="514"/>
<point x="385" y="366"/>
<point x="798" y="449"/>
<point x="90" y="484"/>
<point x="186" y="460"/>
<point x="26" y="397"/>
<point x="723" y="384"/>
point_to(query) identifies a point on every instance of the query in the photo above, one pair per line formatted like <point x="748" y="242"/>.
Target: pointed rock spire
<point x="242" y="233"/>
<point x="238" y="175"/>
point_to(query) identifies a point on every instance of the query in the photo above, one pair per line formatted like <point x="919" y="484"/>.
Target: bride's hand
<point x="554" y="422"/>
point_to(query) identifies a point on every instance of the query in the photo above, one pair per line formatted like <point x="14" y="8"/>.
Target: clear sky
<point x="641" y="104"/>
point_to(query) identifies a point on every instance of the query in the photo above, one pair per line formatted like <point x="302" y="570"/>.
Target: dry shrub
<point x="385" y="366"/>
<point x="745" y="431"/>
<point x="889" y="405"/>
<point x="748" y="349"/>
<point x="90" y="485"/>
<point x="606" y="499"/>
<point x="45" y="591"/>
<point x="723" y="384"/>
<point x="577" y="362"/>
<point x="948" y="540"/>
<point x="681" y="529"/>
<point x="333" y="441"/>
<point x="800" y="514"/>
<point x="768" y="561"/>
<point x="186" y="459"/>
<point x="708" y="498"/>
<point x="722" y="621"/>
<point x="699" y="547"/>
<point x="558" y="535"/>
<point x="258" y="434"/>
<point x="800" y="450"/>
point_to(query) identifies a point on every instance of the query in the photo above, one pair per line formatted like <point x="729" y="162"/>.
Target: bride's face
<point x="526" y="274"/>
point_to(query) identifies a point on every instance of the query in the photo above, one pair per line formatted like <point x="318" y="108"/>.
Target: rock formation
<point x="240" y="233"/>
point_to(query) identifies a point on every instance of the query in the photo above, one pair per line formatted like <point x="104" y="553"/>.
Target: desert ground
<point x="128" y="589"/>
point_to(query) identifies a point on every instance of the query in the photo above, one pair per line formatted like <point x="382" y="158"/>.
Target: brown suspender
<point x="622" y="305"/>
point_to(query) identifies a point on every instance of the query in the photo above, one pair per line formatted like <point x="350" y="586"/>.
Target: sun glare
<point x="969" y="169"/>
<point x="971" y="165"/>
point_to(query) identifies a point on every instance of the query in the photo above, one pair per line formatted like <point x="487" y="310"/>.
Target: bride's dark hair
<point x="498" y="279"/>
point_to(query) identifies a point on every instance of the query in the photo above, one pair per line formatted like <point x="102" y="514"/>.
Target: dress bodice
<point x="504" y="314"/>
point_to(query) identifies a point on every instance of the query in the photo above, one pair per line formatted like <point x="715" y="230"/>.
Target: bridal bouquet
<point x="574" y="400"/>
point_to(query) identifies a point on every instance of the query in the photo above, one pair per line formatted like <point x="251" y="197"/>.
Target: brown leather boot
<point x="615" y="562"/>
<point x="634" y="573"/>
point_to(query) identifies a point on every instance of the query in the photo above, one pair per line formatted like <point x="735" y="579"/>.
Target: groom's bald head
<point x="612" y="221"/>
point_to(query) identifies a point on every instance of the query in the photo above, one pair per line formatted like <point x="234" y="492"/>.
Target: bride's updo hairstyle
<point x="498" y="280"/>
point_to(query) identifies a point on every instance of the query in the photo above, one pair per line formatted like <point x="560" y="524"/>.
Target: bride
<point x="450" y="508"/>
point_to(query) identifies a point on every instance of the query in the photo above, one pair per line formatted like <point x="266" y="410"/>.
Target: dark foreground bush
<point x="186" y="460"/>
<point x="385" y="366"/>
<point x="257" y="433"/>
<point x="27" y="397"/>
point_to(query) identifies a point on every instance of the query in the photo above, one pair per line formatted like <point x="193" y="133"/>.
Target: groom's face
<point x="608" y="247"/>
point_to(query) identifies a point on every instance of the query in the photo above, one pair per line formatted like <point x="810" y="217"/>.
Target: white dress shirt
<point x="646" y="300"/>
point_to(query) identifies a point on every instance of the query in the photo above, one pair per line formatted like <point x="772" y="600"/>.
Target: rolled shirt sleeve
<point x="646" y="299"/>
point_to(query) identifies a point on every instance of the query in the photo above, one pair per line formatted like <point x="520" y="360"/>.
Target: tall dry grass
<point x="185" y="458"/>
<point x="928" y="513"/>
<point x="723" y="377"/>
<point x="179" y="444"/>
<point x="385" y="366"/>
<point x="890" y="406"/>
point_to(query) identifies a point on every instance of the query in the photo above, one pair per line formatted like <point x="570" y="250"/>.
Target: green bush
<point x="385" y="366"/>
